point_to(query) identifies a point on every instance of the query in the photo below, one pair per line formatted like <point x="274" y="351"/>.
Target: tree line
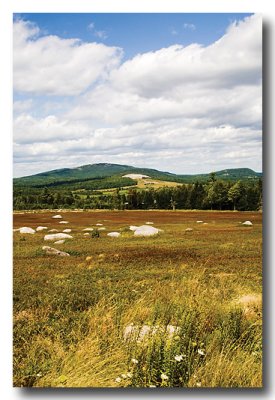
<point x="215" y="194"/>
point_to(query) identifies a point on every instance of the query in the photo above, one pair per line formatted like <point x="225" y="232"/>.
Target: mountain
<point x="105" y="171"/>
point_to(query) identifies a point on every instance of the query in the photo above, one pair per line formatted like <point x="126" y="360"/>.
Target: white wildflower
<point x="180" y="357"/>
<point x="124" y="376"/>
<point x="152" y="386"/>
<point x="129" y="374"/>
<point x="134" y="361"/>
<point x="164" y="377"/>
<point x="118" y="379"/>
<point x="201" y="352"/>
<point x="198" y="384"/>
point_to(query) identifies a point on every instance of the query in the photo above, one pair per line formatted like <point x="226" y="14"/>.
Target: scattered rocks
<point x="54" y="252"/>
<point x="57" y="216"/>
<point x="99" y="224"/>
<point x="189" y="230"/>
<point x="53" y="230"/>
<point x="25" y="229"/>
<point x="145" y="230"/>
<point x="88" y="229"/>
<point x="59" y="241"/>
<point x="86" y="234"/>
<point x="199" y="222"/>
<point x="101" y="229"/>
<point x="41" y="228"/>
<point x="57" y="236"/>
<point x="133" y="227"/>
<point x="64" y="222"/>
<point x="67" y="230"/>
<point x="247" y="223"/>
<point x="113" y="234"/>
<point x="149" y="223"/>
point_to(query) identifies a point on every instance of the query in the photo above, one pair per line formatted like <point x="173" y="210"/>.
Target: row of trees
<point x="215" y="195"/>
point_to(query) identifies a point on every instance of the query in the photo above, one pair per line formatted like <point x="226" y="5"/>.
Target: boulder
<point x="133" y="227"/>
<point x="57" y="236"/>
<point x="140" y="333"/>
<point x="247" y="223"/>
<point x="25" y="229"/>
<point x="54" y="252"/>
<point x="41" y="228"/>
<point x="145" y="230"/>
<point x="113" y="234"/>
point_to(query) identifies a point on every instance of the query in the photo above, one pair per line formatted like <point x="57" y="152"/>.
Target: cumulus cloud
<point x="55" y="66"/>
<point x="183" y="109"/>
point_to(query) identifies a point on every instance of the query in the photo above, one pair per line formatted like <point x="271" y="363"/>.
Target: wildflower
<point x="152" y="386"/>
<point x="129" y="375"/>
<point x="198" y="384"/>
<point x="124" y="376"/>
<point x="38" y="375"/>
<point x="118" y="379"/>
<point x="201" y="352"/>
<point x="179" y="357"/>
<point x="134" y="361"/>
<point x="164" y="377"/>
<point x="194" y="344"/>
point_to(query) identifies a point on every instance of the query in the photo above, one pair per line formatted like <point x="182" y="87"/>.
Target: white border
<point x="265" y="7"/>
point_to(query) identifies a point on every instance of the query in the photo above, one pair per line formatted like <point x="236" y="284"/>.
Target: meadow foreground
<point x="179" y="309"/>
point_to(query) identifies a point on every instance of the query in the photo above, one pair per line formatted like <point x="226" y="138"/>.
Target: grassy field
<point x="177" y="309"/>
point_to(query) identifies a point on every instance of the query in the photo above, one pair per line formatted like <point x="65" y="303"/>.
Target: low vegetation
<point x="71" y="314"/>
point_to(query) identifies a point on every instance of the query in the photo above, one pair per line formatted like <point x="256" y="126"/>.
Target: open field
<point x="177" y="309"/>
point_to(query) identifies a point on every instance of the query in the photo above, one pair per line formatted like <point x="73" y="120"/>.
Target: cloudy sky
<point x="176" y="92"/>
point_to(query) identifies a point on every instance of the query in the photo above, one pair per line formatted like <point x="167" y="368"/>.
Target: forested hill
<point x="114" y="173"/>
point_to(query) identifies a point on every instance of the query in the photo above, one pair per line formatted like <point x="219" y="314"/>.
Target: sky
<point x="176" y="92"/>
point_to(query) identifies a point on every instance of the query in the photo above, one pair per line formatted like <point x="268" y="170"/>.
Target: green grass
<point x="70" y="313"/>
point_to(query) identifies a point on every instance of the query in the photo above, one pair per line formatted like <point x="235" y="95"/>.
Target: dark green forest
<point x="214" y="194"/>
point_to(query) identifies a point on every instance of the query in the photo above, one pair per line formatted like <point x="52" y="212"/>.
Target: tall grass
<point x="71" y="315"/>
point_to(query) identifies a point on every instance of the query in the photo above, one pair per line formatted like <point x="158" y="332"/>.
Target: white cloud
<point x="192" y="27"/>
<point x="55" y="66"/>
<point x="183" y="109"/>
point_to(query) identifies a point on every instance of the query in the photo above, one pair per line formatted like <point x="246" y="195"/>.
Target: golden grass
<point x="70" y="314"/>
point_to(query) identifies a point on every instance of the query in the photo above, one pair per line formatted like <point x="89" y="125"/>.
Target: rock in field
<point x="145" y="230"/>
<point x="54" y="252"/>
<point x="140" y="333"/>
<point x="247" y="223"/>
<point x="88" y="229"/>
<point x="67" y="230"/>
<point x="57" y="236"/>
<point x="57" y="216"/>
<point x="59" y="241"/>
<point x="188" y="230"/>
<point x="113" y="234"/>
<point x="64" y="222"/>
<point x="25" y="229"/>
<point x="41" y="228"/>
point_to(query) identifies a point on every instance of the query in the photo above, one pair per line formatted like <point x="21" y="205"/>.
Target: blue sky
<point x="176" y="92"/>
<point x="136" y="33"/>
